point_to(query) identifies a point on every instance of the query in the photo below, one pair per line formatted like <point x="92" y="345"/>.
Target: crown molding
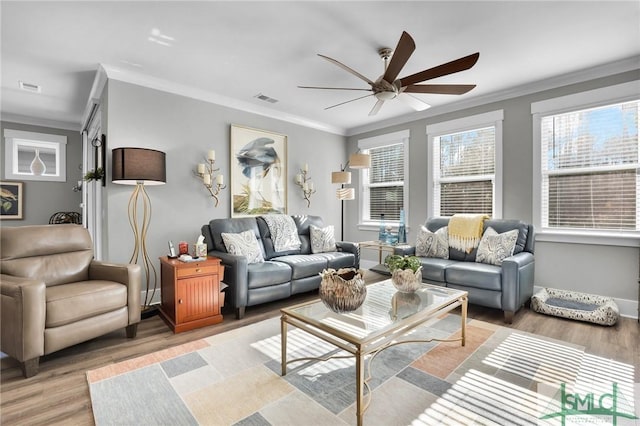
<point x="605" y="70"/>
<point x="42" y="122"/>
<point x="139" y="79"/>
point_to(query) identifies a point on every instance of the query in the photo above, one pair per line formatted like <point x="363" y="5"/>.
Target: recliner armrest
<point x="350" y="247"/>
<point x="236" y="276"/>
<point x="128" y="274"/>
<point x="23" y="305"/>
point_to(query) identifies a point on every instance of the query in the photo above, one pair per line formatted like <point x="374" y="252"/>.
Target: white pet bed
<point x="578" y="306"/>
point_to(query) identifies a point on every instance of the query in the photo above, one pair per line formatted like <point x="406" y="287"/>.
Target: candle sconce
<point x="210" y="176"/>
<point x="303" y="180"/>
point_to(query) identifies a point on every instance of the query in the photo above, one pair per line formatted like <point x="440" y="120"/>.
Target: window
<point x="35" y="156"/>
<point x="588" y="164"/>
<point x="466" y="166"/>
<point x="384" y="189"/>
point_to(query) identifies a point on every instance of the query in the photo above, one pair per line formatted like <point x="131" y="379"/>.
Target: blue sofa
<point x="283" y="273"/>
<point x="507" y="287"/>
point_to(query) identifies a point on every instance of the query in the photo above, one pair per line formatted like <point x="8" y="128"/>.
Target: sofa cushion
<point x="433" y="269"/>
<point x="322" y="239"/>
<point x="494" y="247"/>
<point x="213" y="231"/>
<point x="478" y="275"/>
<point x="303" y="265"/>
<point x="433" y="244"/>
<point x="267" y="274"/>
<point x="304" y="222"/>
<point x="267" y="241"/>
<point x="337" y="259"/>
<point x="504" y="225"/>
<point x="243" y="244"/>
<point x="67" y="303"/>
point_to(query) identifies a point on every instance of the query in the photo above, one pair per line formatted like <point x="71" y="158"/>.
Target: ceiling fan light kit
<point x="388" y="87"/>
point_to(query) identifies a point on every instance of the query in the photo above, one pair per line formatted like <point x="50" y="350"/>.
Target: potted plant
<point x="406" y="272"/>
<point x="96" y="174"/>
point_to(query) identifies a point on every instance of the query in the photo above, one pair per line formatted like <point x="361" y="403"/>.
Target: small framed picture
<point x="11" y="199"/>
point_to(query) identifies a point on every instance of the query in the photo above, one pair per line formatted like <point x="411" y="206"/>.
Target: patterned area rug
<point x="500" y="377"/>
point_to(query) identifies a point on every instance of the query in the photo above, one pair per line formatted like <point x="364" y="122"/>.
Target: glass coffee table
<point x="383" y="320"/>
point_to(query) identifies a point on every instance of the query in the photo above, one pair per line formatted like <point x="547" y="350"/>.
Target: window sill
<point x="596" y="238"/>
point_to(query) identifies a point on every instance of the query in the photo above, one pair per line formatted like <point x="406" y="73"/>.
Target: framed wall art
<point x="11" y="200"/>
<point x="258" y="172"/>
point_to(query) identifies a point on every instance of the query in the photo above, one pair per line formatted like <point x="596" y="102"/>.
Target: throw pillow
<point x="322" y="239"/>
<point x="243" y="244"/>
<point x="494" y="247"/>
<point x="433" y="244"/>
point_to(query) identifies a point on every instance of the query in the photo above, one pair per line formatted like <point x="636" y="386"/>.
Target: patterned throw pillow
<point x="494" y="247"/>
<point x="433" y="244"/>
<point x="243" y="244"/>
<point x="322" y="239"/>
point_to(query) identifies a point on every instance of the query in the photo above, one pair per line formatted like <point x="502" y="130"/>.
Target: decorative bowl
<point x="343" y="290"/>
<point x="405" y="280"/>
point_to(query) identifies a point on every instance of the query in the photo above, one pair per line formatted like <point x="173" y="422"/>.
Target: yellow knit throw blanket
<point x="465" y="231"/>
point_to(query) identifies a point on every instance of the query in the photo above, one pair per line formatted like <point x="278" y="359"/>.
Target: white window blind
<point x="384" y="182"/>
<point x="464" y="172"/>
<point x="589" y="168"/>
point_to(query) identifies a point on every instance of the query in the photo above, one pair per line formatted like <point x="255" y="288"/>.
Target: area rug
<point x="501" y="376"/>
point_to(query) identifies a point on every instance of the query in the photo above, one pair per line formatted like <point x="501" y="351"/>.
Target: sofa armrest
<point x="236" y="276"/>
<point x="350" y="247"/>
<point x="23" y="317"/>
<point x="404" y="250"/>
<point x="517" y="280"/>
<point x="128" y="274"/>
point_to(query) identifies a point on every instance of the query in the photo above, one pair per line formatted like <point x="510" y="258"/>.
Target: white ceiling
<point x="228" y="52"/>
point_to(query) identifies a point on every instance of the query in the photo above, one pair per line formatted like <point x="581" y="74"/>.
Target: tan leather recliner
<point x="55" y="295"/>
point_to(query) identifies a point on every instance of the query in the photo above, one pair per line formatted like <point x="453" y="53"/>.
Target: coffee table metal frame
<point x="372" y="343"/>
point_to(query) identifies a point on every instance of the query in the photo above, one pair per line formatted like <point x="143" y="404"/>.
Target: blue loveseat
<point x="283" y="273"/>
<point x="507" y="287"/>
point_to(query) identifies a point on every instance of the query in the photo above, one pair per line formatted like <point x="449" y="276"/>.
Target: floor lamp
<point x="140" y="167"/>
<point x="356" y="161"/>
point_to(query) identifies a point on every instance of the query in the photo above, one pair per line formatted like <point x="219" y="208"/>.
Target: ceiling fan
<point x="388" y="86"/>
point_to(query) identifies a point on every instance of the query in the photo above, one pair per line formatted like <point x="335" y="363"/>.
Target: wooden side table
<point x="191" y="295"/>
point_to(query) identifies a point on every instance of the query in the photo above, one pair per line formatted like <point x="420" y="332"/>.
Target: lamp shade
<point x="346" y="194"/>
<point x="131" y="166"/>
<point x="360" y="161"/>
<point x="341" y="177"/>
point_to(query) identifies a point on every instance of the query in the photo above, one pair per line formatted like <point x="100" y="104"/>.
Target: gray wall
<point x="185" y="129"/>
<point x="42" y="199"/>
<point x="605" y="270"/>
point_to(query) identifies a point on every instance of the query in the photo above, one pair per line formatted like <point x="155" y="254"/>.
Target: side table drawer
<point x="196" y="271"/>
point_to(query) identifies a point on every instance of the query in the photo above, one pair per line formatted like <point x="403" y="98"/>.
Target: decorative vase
<point x="343" y="290"/>
<point x="37" y="165"/>
<point x="405" y="280"/>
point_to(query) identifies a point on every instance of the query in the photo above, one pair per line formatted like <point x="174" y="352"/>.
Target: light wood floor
<point x="59" y="394"/>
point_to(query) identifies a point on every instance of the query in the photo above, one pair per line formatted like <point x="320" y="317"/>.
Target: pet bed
<point x="577" y="306"/>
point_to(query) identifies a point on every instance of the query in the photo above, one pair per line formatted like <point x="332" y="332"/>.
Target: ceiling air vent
<point x="29" y="87"/>
<point x="265" y="98"/>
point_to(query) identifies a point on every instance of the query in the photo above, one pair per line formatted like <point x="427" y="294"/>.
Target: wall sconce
<point x="77" y="187"/>
<point x="303" y="180"/>
<point x="207" y="173"/>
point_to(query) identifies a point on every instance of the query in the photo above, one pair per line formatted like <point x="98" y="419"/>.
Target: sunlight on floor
<point x="480" y="398"/>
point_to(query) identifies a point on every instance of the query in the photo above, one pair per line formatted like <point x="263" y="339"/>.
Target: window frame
<point x="469" y="123"/>
<point x="365" y="145"/>
<point x="14" y="139"/>
<point x="619" y="93"/>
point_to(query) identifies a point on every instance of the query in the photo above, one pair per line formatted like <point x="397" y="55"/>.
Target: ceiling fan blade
<point x="332" y="88"/>
<point x="346" y="68"/>
<point x="376" y="107"/>
<point x="400" y="56"/>
<point x="346" y="102"/>
<point x="441" y="70"/>
<point x="441" y="89"/>
<point x="413" y="102"/>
